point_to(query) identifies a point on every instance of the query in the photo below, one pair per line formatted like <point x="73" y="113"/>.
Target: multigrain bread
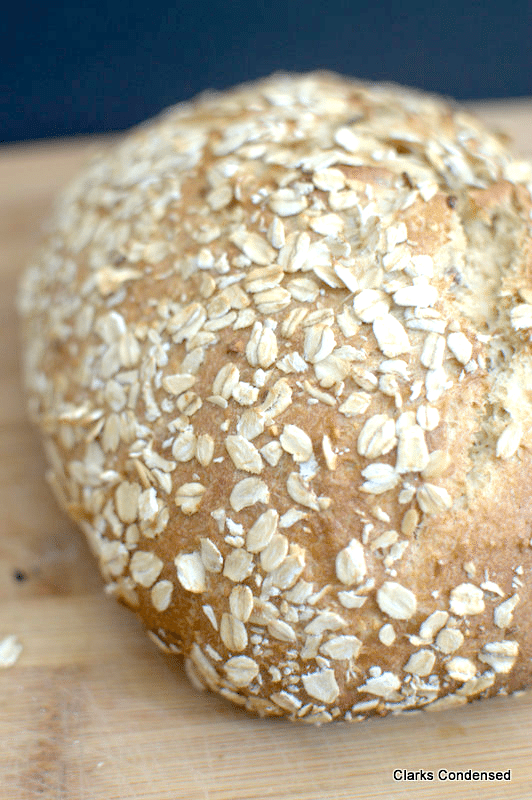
<point x="278" y="343"/>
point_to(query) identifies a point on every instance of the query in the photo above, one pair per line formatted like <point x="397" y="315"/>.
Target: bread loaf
<point x="278" y="343"/>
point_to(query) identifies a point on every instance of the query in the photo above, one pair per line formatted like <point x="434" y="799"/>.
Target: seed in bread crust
<point x="241" y="602"/>
<point x="370" y="304"/>
<point x="466" y="600"/>
<point x="500" y="656"/>
<point x="387" y="634"/>
<point x="503" y="613"/>
<point x="433" y="499"/>
<point x="238" y="565"/>
<point x="191" y="572"/>
<point x="189" y="496"/>
<point x="412" y="451"/>
<point x="384" y="685"/>
<point x="460" y="669"/>
<point x="521" y="316"/>
<point x="296" y="442"/>
<point x="145" y="567"/>
<point x="449" y="640"/>
<point x="391" y="336"/>
<point x="161" y="594"/>
<point x="377" y="436"/>
<point x="421" y="663"/>
<point x="380" y="478"/>
<point x="262" y="530"/>
<point x="127" y="499"/>
<point x="248" y="492"/>
<point x="233" y="633"/>
<point x="210" y="555"/>
<point x="396" y="601"/>
<point x="509" y="440"/>
<point x="321" y="685"/>
<point x="460" y="347"/>
<point x="241" y="670"/>
<point x="244" y="454"/>
<point x="351" y="564"/>
<point x="300" y="492"/>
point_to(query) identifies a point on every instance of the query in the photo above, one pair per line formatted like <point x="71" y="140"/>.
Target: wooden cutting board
<point x="91" y="711"/>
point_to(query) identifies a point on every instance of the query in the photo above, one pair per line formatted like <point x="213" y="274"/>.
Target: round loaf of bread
<point x="278" y="343"/>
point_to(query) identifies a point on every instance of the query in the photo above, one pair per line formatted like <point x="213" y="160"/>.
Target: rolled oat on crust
<point x="278" y="343"/>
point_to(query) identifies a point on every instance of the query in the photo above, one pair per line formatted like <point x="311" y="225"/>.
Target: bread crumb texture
<point x="278" y="343"/>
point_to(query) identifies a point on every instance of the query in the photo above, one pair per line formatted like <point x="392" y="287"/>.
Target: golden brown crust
<point x="278" y="343"/>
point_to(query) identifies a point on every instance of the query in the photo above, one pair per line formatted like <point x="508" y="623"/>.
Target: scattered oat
<point x="521" y="316"/>
<point x="437" y="464"/>
<point x="396" y="600"/>
<point x="509" y="440"/>
<point x="295" y="441"/>
<point x="371" y="304"/>
<point x="319" y="342"/>
<point x="449" y="640"/>
<point x="466" y="600"/>
<point x="377" y="436"/>
<point x="341" y="648"/>
<point x="380" y="478"/>
<point x="387" y="634"/>
<point x="238" y="565"/>
<point x="210" y="555"/>
<point x="127" y="501"/>
<point x="409" y="522"/>
<point x="432" y="625"/>
<point x="433" y="499"/>
<point x="262" y="530"/>
<point x="384" y="685"/>
<point x="244" y="454"/>
<point x="205" y="449"/>
<point x="460" y="347"/>
<point x="161" y="595"/>
<point x="233" y="633"/>
<point x="300" y="492"/>
<point x="177" y="384"/>
<point x="275" y="552"/>
<point x="253" y="246"/>
<point x="350" y="564"/>
<point x="247" y="492"/>
<point x="184" y="446"/>
<point x="412" y="452"/>
<point x="261" y="349"/>
<point x="145" y="567"/>
<point x="321" y="685"/>
<point x="421" y="663"/>
<point x="500" y="656"/>
<point x="420" y="294"/>
<point x="357" y="403"/>
<point x="10" y="650"/>
<point x="503" y="613"/>
<point x="460" y="669"/>
<point x="391" y="336"/>
<point x="241" y="602"/>
<point x="331" y="458"/>
<point x="241" y="670"/>
<point x="281" y="631"/>
<point x="189" y="497"/>
<point x="191" y="572"/>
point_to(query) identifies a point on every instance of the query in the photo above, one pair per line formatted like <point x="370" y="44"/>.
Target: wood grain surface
<point x="91" y="711"/>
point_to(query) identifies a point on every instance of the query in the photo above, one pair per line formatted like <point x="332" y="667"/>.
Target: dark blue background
<point x="82" y="67"/>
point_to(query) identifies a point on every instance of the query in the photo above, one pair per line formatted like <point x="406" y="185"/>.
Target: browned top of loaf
<point x="278" y="341"/>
